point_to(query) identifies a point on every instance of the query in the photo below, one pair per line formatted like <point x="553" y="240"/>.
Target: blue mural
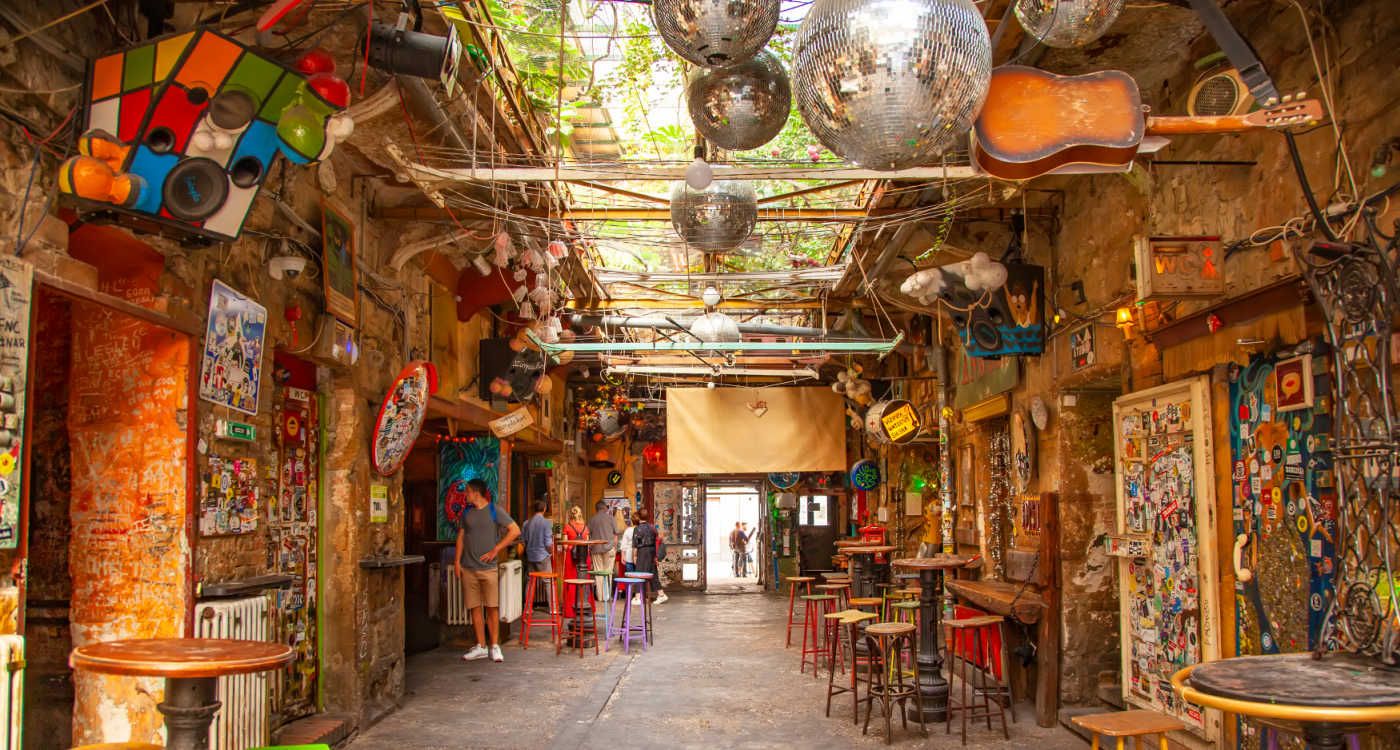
<point x="459" y="462"/>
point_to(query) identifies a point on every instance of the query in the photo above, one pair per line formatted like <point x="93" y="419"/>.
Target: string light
<point x="454" y="438"/>
<point x="999" y="499"/>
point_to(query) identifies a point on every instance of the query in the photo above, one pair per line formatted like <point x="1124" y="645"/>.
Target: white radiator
<point x="11" y="689"/>
<point x="508" y="584"/>
<point x="242" y="722"/>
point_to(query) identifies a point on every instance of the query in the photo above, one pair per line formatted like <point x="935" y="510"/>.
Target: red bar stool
<point x="969" y="645"/>
<point x="793" y="583"/>
<point x="815" y="606"/>
<point x="555" y="622"/>
<point x="584" y="623"/>
<point x="842" y="592"/>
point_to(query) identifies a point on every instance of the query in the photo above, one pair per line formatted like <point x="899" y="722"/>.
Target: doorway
<point x="731" y="507"/>
<point x="816" y="532"/>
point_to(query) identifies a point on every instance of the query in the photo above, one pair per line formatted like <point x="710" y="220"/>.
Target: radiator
<point x="243" y="720"/>
<point x="455" y="610"/>
<point x="11" y="690"/>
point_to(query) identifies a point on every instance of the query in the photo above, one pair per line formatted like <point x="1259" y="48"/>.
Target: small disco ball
<point x="1067" y="23"/>
<point x="742" y="106"/>
<point x="890" y="84"/>
<point x="717" y="219"/>
<point x="715" y="33"/>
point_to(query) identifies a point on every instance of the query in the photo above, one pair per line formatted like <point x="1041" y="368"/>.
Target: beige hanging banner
<point x="754" y="430"/>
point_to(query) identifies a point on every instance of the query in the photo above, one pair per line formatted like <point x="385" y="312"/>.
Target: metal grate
<point x="1216" y="96"/>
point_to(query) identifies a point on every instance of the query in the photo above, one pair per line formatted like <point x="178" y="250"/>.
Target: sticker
<point x="1266" y="413"/>
<point x="1291" y="508"/>
<point x="1238" y="473"/>
<point x="1302" y="524"/>
<point x="1315" y="601"/>
<point x="1315" y="548"/>
<point x="1276" y="454"/>
<point x="1275" y="494"/>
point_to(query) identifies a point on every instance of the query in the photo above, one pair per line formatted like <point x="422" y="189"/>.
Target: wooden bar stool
<point x="585" y="623"/>
<point x="842" y="592"/>
<point x="886" y="644"/>
<point x="646" y="602"/>
<point x="795" y="582"/>
<point x="555" y="621"/>
<point x="850" y="622"/>
<point x="968" y="645"/>
<point x="869" y="604"/>
<point x="1135" y="724"/>
<point x="813" y="632"/>
<point x="887" y="592"/>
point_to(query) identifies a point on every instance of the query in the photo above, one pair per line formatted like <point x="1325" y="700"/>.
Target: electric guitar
<point x="1036" y="123"/>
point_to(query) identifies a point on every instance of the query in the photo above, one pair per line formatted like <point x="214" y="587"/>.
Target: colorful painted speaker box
<point x="1011" y="321"/>
<point x="184" y="129"/>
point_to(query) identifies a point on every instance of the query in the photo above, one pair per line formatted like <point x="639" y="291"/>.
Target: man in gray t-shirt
<point x="483" y="530"/>
<point x="602" y="526"/>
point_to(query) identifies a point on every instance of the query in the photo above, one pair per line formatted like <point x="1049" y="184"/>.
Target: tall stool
<point x="887" y="592"/>
<point x="627" y="587"/>
<point x="585" y="623"/>
<point x="555" y="622"/>
<point x="602" y="580"/>
<point x="794" y="582"/>
<point x="886" y="642"/>
<point x="813" y="630"/>
<point x="1135" y="724"/>
<point x="849" y="622"/>
<point x="968" y="644"/>
<point x="869" y="604"/>
<point x="646" y="601"/>
<point x="842" y="592"/>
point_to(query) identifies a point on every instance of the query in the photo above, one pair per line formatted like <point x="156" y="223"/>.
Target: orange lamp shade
<point x="1123" y="317"/>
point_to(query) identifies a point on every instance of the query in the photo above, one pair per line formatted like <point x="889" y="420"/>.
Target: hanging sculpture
<point x="742" y="106"/>
<point x="891" y="84"/>
<point x="1067" y="23"/>
<point x="717" y="219"/>
<point x="715" y="33"/>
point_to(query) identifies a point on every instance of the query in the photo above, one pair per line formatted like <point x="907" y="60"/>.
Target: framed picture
<point x="339" y="239"/>
<point x="1081" y="347"/>
<point x="1294" y="379"/>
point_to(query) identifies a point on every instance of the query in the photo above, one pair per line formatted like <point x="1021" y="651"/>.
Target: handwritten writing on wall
<point x="16" y="289"/>
<point x="128" y="554"/>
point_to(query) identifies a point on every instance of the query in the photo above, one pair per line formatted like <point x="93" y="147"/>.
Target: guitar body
<point x="1036" y="123"/>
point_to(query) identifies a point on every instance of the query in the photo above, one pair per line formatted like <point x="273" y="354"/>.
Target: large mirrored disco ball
<point x="717" y="219"/>
<point x="890" y="84"/>
<point x="742" y="106"/>
<point x="1067" y="23"/>
<point x="715" y="33"/>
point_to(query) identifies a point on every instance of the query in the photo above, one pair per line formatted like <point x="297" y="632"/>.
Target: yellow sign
<point x="901" y="423"/>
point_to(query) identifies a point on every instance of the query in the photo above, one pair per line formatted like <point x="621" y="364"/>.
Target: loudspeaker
<point x="195" y="189"/>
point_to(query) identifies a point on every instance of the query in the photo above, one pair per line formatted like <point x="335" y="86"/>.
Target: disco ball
<point x="1067" y="23"/>
<point x="715" y="33"/>
<point x="890" y="84"/>
<point x="742" y="106"/>
<point x="716" y="219"/>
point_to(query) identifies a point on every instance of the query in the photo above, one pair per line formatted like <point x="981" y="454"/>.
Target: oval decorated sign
<point x="401" y="416"/>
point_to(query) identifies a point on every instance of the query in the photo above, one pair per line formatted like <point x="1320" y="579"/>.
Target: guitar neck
<point x="1198" y="125"/>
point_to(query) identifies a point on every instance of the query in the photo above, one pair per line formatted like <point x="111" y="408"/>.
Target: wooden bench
<point x="1136" y="724"/>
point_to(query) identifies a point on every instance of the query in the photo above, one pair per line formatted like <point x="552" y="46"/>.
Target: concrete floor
<point x="718" y="676"/>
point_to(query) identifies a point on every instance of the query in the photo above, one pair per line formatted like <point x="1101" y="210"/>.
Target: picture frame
<point x="1082" y="347"/>
<point x="340" y="278"/>
<point x="1293" y="383"/>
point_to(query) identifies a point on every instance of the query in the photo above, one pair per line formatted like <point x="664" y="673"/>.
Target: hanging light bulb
<point x="699" y="174"/>
<point x="711" y="297"/>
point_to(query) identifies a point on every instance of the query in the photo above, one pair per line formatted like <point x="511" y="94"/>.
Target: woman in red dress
<point x="574" y="529"/>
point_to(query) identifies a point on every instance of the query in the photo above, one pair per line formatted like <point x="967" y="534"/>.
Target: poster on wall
<point x="16" y="288"/>
<point x="1081" y="347"/>
<point x="458" y="463"/>
<point x="1167" y="596"/>
<point x="228" y="502"/>
<point x="231" y="368"/>
<point x="338" y="273"/>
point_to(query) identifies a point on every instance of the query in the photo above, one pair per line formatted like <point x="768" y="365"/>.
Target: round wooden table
<point x="1330" y="697"/>
<point x="932" y="687"/>
<point x="863" y="566"/>
<point x="191" y="668"/>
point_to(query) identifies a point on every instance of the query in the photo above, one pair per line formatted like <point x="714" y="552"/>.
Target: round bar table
<point x="1330" y="697"/>
<point x="191" y="668"/>
<point x="568" y="545"/>
<point x="863" y="567"/>
<point x="932" y="687"/>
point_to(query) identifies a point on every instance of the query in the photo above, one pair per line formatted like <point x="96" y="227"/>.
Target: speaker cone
<point x="195" y="189"/>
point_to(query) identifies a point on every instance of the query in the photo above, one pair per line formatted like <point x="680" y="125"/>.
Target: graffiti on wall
<point x="16" y="287"/>
<point x="228" y="500"/>
<point x="458" y="463"/>
<point x="231" y="368"/>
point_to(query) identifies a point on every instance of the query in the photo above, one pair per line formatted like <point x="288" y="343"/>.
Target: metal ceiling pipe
<point x="579" y="320"/>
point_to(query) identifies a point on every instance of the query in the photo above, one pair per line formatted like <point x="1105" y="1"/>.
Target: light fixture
<point x="1123" y="318"/>
<point x="711" y="297"/>
<point x="873" y="346"/>
<point x="699" y="174"/>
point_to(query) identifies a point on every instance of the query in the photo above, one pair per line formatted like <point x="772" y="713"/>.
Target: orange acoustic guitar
<point x="1036" y="123"/>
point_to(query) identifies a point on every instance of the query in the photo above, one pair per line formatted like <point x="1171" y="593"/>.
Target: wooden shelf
<point x="997" y="597"/>
<point x="476" y="418"/>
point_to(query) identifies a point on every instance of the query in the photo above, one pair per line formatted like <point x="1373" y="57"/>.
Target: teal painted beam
<point x="804" y="347"/>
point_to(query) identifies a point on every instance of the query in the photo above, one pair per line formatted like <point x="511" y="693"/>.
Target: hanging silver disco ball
<point x="715" y="33"/>
<point x="717" y="219"/>
<point x="890" y="84"/>
<point x="1067" y="23"/>
<point x="742" y="106"/>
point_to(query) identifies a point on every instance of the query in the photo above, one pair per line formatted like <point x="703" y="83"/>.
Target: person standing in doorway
<point x="748" y="556"/>
<point x="483" y="531"/>
<point x="646" y="538"/>
<point x="738" y="548"/>
<point x="538" y="533"/>
<point x="602" y="526"/>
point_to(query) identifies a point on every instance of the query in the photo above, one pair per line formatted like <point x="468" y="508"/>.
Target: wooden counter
<point x="997" y="597"/>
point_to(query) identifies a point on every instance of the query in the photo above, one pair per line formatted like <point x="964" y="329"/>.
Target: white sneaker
<point x="496" y="654"/>
<point x="478" y="652"/>
<point x="661" y="598"/>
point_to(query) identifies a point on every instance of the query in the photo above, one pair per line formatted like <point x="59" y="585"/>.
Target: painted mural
<point x="458" y="463"/>
<point x="231" y="369"/>
<point x="1285" y="507"/>
<point x="16" y="288"/>
<point x="129" y="552"/>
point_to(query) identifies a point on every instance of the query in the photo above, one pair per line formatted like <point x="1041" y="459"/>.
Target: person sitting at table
<point x="575" y="557"/>
<point x="483" y="531"/>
